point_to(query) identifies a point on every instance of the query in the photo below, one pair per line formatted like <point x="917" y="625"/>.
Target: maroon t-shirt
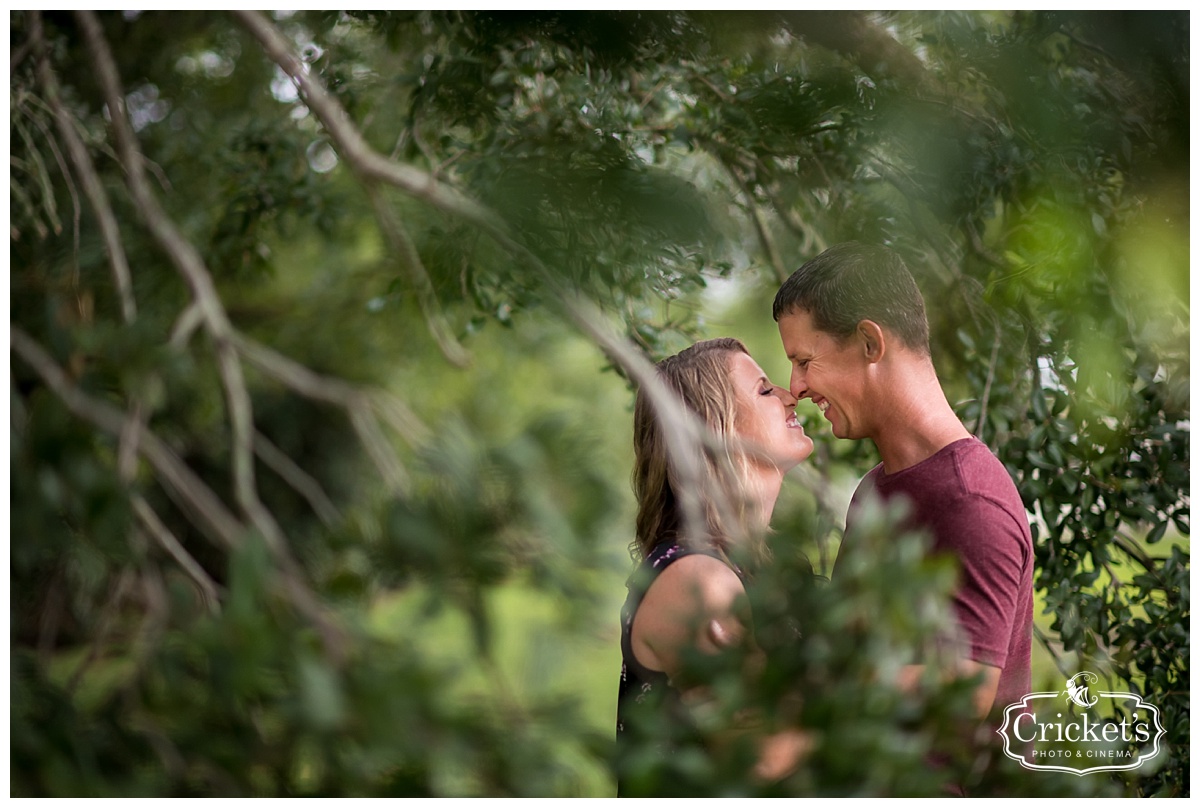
<point x="964" y="496"/>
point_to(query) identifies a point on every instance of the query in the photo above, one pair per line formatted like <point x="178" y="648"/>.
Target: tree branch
<point x="189" y="320"/>
<point x="334" y="391"/>
<point x="406" y="252"/>
<point x="93" y="188"/>
<point x="188" y="262"/>
<point x="872" y="48"/>
<point x="205" y="508"/>
<point x="378" y="448"/>
<point x="357" y="152"/>
<point x="987" y="385"/>
<point x="18" y="56"/>
<point x="104" y="621"/>
<point x="682" y="428"/>
<point x="760" y="227"/>
<point x="1046" y="643"/>
<point x="209" y="592"/>
<point x="979" y="248"/>
<point x="196" y="497"/>
<point x="278" y="461"/>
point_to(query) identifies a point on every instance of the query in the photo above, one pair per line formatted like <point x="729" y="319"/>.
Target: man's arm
<point x="992" y="555"/>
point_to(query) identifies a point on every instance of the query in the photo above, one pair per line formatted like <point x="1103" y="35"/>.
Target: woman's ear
<point x="872" y="339"/>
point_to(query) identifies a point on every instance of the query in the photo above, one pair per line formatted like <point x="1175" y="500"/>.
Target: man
<point x="853" y="324"/>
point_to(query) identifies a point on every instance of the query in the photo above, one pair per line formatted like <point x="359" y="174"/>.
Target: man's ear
<point x="872" y="340"/>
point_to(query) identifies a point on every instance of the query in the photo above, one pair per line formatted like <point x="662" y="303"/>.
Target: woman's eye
<point x="765" y="392"/>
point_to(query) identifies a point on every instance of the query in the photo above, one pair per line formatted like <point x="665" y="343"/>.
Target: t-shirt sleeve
<point x="992" y="555"/>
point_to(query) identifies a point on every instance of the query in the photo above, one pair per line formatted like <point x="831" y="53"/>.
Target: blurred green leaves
<point x="671" y="166"/>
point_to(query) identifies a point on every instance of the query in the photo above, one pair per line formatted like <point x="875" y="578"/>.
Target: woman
<point x="686" y="594"/>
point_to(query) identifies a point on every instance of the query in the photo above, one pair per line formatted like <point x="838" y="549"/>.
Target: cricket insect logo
<point x="1077" y="689"/>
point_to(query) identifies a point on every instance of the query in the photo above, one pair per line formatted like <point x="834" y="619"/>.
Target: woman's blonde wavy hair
<point x="700" y="376"/>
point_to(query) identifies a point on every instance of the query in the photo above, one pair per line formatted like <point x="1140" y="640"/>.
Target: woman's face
<point x="766" y="414"/>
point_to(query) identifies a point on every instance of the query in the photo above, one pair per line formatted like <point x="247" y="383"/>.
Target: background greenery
<point x="320" y="421"/>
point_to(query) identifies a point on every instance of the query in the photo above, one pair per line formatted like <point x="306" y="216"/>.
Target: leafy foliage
<point x="224" y="471"/>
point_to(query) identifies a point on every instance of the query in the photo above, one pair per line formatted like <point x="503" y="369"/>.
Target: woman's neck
<point x="763" y="489"/>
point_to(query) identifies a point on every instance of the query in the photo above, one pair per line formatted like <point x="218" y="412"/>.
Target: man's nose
<point x="798" y="386"/>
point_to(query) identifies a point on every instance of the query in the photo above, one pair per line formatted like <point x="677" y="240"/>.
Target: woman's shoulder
<point x="694" y="602"/>
<point x="700" y="565"/>
<point x="699" y="578"/>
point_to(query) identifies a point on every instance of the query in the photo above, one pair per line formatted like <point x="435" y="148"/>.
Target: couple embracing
<point x="852" y="323"/>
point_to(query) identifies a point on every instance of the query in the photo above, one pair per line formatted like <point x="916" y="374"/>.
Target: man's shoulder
<point x="975" y="459"/>
<point x="982" y="475"/>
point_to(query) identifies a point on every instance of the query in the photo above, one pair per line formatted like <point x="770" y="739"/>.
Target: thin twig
<point x="28" y="206"/>
<point x="51" y="615"/>
<point x="93" y="188"/>
<point x="760" y="226"/>
<point x="378" y="448"/>
<point x="811" y="241"/>
<point x="406" y="253"/>
<point x="331" y="390"/>
<point x="1046" y="643"/>
<point x="209" y="592"/>
<point x="1129" y="545"/>
<point x="158" y="613"/>
<point x="1069" y="34"/>
<point x="18" y="56"/>
<point x="104" y="622"/>
<point x="1114" y="579"/>
<point x="71" y="190"/>
<point x="980" y="249"/>
<point x="401" y="417"/>
<point x="304" y="484"/>
<point x="987" y="385"/>
<point x="197" y="498"/>
<point x="189" y="320"/>
<point x="40" y="173"/>
<point x="127" y="444"/>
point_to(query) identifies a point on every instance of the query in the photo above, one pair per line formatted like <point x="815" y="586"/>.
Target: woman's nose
<point x="786" y="397"/>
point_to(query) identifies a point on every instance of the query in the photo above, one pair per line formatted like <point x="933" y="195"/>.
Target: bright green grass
<point x="537" y="658"/>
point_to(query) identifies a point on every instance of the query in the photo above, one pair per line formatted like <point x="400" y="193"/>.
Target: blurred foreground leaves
<point x="410" y="585"/>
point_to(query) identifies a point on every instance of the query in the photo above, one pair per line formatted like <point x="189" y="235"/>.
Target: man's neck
<point x="919" y="425"/>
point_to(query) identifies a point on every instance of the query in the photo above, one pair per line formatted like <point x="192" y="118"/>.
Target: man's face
<point x="829" y="372"/>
